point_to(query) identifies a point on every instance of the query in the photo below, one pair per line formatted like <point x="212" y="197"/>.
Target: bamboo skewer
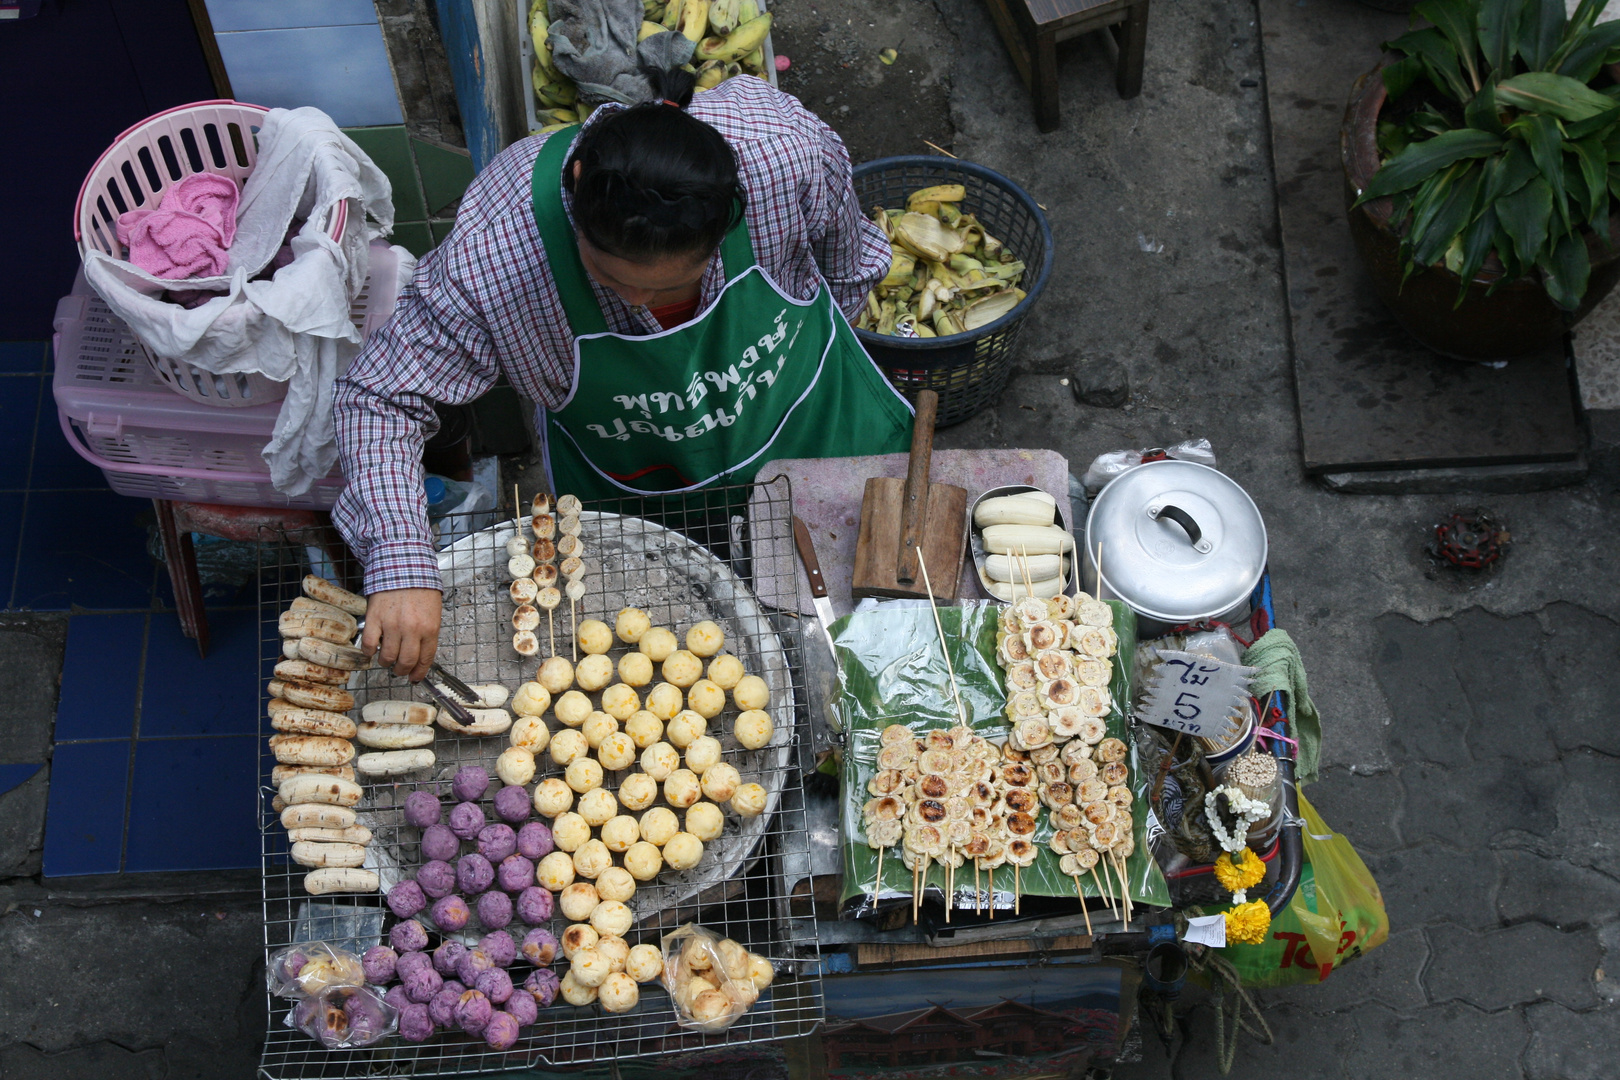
<point x="1018" y="889"/>
<point x="877" y="887"/>
<point x="978" y="897"/>
<point x="1081" y="896"/>
<point x="991" y="900"/>
<point x="551" y="631"/>
<point x="517" y="511"/>
<point x="939" y="627"/>
<point x="1106" y="896"/>
<point x="950" y="879"/>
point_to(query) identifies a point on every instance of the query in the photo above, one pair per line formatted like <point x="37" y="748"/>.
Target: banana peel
<point x="952" y="193"/>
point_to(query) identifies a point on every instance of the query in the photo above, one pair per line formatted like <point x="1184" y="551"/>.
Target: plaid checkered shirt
<point x="484" y="303"/>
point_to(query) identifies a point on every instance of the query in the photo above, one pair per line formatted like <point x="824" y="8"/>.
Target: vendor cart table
<point x="1033" y="28"/>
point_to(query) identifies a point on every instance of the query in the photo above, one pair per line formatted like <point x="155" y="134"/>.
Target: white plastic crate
<point x="152" y="443"/>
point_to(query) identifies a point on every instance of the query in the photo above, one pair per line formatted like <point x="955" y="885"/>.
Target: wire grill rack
<point x="681" y="559"/>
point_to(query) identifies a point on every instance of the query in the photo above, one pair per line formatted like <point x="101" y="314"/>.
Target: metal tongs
<point x="458" y="712"/>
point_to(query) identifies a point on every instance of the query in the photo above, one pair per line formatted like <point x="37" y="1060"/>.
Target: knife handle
<point x="807" y="555"/>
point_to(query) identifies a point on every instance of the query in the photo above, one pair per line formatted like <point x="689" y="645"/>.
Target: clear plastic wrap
<point x="711" y="980"/>
<point x="308" y="968"/>
<point x="344" y="1017"/>
<point x="1109" y="466"/>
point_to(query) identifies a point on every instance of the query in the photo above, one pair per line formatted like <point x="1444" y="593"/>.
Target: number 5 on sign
<point x="1194" y="694"/>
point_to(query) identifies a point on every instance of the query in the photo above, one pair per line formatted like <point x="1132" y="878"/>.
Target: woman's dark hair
<point x="655" y="180"/>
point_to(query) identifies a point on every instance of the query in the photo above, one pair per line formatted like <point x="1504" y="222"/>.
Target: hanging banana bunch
<point x="948" y="276"/>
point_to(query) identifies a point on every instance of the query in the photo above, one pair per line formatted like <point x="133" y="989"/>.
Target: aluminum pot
<point x="1181" y="543"/>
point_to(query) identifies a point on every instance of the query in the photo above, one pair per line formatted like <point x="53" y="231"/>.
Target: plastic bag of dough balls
<point x="753" y="729"/>
<point x="594" y="636"/>
<point x="657" y="643"/>
<point x="343" y="1017"/>
<point x="695" y="977"/>
<point x="664" y="701"/>
<point x="308" y="968"/>
<point x="706" y="698"/>
<point x="593" y="673"/>
<point x="725" y="670"/>
<point x="635" y="669"/>
<point x="749" y="801"/>
<point x="630" y="624"/>
<point x="751" y="693"/>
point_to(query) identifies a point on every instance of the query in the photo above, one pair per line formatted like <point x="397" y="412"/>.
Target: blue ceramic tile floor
<point x="175" y="780"/>
<point x="101" y="675"/>
<point x="22" y="356"/>
<point x="221" y="693"/>
<point x="84" y="811"/>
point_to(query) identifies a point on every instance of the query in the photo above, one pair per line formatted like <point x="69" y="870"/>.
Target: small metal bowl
<point x="976" y="538"/>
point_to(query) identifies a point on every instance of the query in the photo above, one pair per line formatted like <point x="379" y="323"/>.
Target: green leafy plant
<point x="1497" y="140"/>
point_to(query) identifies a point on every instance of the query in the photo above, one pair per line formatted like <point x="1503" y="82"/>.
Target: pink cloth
<point x="189" y="233"/>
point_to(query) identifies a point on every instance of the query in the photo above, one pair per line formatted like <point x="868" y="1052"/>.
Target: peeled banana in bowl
<point x="948" y="276"/>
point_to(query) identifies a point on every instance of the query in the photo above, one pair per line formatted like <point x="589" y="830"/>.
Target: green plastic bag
<point x="1336" y="914"/>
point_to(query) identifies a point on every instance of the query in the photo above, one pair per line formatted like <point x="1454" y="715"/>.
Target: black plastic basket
<point x="967" y="371"/>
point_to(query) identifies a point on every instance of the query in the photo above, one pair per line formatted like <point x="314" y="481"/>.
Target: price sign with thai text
<point x="1195" y="694"/>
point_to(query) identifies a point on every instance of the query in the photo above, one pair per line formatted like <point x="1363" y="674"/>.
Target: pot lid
<point x="1180" y="541"/>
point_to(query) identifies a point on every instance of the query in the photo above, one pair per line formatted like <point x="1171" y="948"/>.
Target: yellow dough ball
<point x="705" y="698"/>
<point x="614" y="948"/>
<point x="530" y="732"/>
<point x="598" y="806"/>
<point x="657" y="643"/>
<point x="685" y="727"/>
<point x="751" y="693"/>
<point x="645" y="963"/>
<point x="589" y="967"/>
<point x="575" y="992"/>
<point x="583" y="774"/>
<point x="593" y="636"/>
<point x="682" y="788"/>
<point x="532" y="699"/>
<point x="620" y="701"/>
<point x="705" y="821"/>
<point x="733" y="959"/>
<point x="618" y="993"/>
<point x="631" y="624"/>
<point x="570" y="831"/>
<point x="592" y="858"/>
<point x="644" y="728"/>
<point x="616" y="883"/>
<point x="749" y="801"/>
<point x="593" y="673"/>
<point x="638" y="791"/>
<point x="659" y="760"/>
<point x="572" y="708"/>
<point x="612" y="918"/>
<point x="657" y="826"/>
<point x="697" y="956"/>
<point x="699" y="989"/>
<point x="753" y="729"/>
<point x="643" y="860"/>
<point x="515" y="766"/>
<point x="760" y="971"/>
<point x="618" y="751"/>
<point x="556" y="675"/>
<point x="683" y="851"/>
<point x="664" y="701"/>
<point x="702" y="753"/>
<point x="705" y="639"/>
<point x="567" y="746"/>
<point x="619" y="832"/>
<point x="555" y="872"/>
<point x="578" y="901"/>
<point x="577" y="938"/>
<point x="598" y="726"/>
<point x="682" y="668"/>
<point x="725" y="670"/>
<point x="552" y="797"/>
<point x="635" y="669"/>
<point x="720" y="782"/>
<point x="741" y="994"/>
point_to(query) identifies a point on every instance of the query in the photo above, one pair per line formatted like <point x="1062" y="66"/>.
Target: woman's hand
<point x="402" y="629"/>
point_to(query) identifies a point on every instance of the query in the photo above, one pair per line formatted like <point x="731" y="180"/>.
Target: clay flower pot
<point x="1519" y="319"/>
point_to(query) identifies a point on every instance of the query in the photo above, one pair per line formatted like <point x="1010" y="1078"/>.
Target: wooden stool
<point x="1033" y="28"/>
<point x="178" y="520"/>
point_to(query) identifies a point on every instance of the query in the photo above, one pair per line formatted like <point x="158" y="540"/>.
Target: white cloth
<point x="294" y="327"/>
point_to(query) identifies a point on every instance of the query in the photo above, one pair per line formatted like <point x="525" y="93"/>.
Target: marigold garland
<point x="1236" y="878"/>
<point x="1246" y="924"/>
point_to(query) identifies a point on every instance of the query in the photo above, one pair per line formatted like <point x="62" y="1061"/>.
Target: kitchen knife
<point x="824" y="664"/>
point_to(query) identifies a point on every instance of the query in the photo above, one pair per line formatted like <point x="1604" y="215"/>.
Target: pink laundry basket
<point x="207" y="136"/>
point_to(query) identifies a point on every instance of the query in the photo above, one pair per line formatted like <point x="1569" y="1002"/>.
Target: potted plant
<point x="1480" y="158"/>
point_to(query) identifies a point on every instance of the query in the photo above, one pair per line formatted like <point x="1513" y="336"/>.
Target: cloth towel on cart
<point x="593" y="42"/>
<point x="292" y="326"/>
<point x="189" y="234"/>
<point x="1280" y="668"/>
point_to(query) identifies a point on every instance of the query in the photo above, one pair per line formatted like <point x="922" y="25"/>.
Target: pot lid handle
<point x="1185" y="520"/>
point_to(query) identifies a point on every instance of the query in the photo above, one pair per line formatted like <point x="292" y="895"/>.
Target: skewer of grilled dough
<point x="295" y="720"/>
<point x="311" y="750"/>
<point x="318" y="588"/>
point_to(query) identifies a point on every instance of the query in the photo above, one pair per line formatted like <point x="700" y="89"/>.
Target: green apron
<point x="755" y="376"/>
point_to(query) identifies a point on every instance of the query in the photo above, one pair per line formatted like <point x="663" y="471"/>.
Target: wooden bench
<point x="1033" y="28"/>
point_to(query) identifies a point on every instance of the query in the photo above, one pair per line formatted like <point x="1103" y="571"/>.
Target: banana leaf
<point x="893" y="672"/>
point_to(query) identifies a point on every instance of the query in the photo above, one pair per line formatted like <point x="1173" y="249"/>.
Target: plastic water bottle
<point x="456" y="508"/>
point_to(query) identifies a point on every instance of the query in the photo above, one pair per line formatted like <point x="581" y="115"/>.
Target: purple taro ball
<point x="473" y="963"/>
<point x="451" y="914"/>
<point x="494" y="984"/>
<point x="439" y="843"/>
<point x="364" y="1017"/>
<point x="396" y="997"/>
<point x="474" y="874"/>
<point x="514" y="874"/>
<point x="409" y="962"/>
<point x="415" y="1023"/>
<point x="292" y="964"/>
<point x="473" y="1012"/>
<point x="496" y="842"/>
<point x="446" y="955"/>
<point x="408" y="936"/>
<point x="535" y="905"/>
<point x="512" y="804"/>
<point x="499" y="947"/>
<point x="502" y="1031"/>
<point x="466" y="819"/>
<point x="437" y="879"/>
<point x="378" y="963"/>
<point x="542" y="984"/>
<point x="422" y="984"/>
<point x="443" y="1006"/>
<point x="422" y="809"/>
<point x="540" y="946"/>
<point x="494" y="909"/>
<point x="470" y="783"/>
<point x="534" y="841"/>
<point x="522" y="1007"/>
<point x="406" y="899"/>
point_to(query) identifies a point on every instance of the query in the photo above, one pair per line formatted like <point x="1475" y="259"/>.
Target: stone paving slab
<point x="1488" y="970"/>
